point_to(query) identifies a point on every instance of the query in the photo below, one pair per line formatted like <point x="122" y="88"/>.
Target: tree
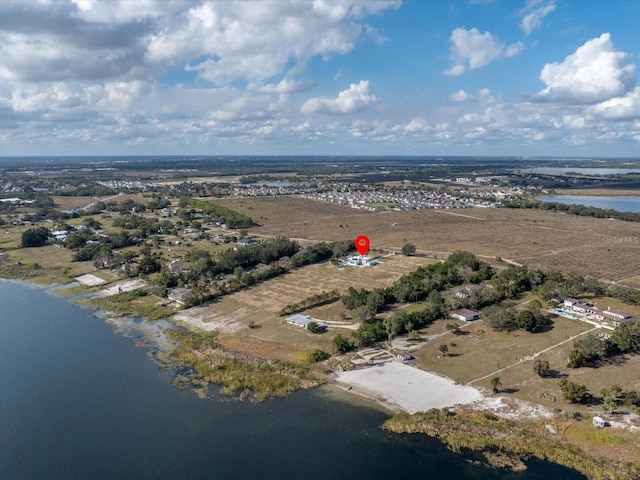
<point x="495" y="384"/>
<point x="314" y="327"/>
<point x="499" y="318"/>
<point x="574" y="392"/>
<point x="612" y="397"/>
<point x="541" y="368"/>
<point x="526" y="320"/>
<point x="368" y="333"/>
<point x="77" y="239"/>
<point x="342" y="345"/>
<point x="535" y="305"/>
<point x="453" y="328"/>
<point x="364" y="314"/>
<point x="626" y="337"/>
<point x="317" y="355"/>
<point x="414" y="335"/>
<point x="34" y="237"/>
<point x="408" y="249"/>
<point x="586" y="350"/>
<point x="609" y="405"/>
<point x="150" y="264"/>
<point x="91" y="223"/>
<point x="443" y="349"/>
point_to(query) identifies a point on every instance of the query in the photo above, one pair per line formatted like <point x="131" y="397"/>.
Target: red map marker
<point x="362" y="244"/>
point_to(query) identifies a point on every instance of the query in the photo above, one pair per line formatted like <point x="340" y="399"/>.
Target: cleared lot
<point x="409" y="388"/>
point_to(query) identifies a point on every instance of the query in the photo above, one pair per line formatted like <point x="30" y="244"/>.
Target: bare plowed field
<point x="262" y="302"/>
<point x="607" y="249"/>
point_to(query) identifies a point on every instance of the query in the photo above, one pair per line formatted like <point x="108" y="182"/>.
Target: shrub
<point x="575" y="392"/>
<point x="317" y="355"/>
<point x="541" y="367"/>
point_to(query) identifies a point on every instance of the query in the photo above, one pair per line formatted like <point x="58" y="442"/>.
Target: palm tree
<point x="495" y="384"/>
<point x="443" y="348"/>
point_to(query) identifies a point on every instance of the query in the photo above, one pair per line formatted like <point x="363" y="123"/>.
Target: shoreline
<point x="368" y="397"/>
<point x="363" y="394"/>
<point x="409" y="389"/>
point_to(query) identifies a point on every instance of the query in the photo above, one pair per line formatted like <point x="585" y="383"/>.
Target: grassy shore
<point x="133" y="303"/>
<point x="242" y="375"/>
<point x="506" y="443"/>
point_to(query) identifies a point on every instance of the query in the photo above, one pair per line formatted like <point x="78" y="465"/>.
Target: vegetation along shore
<point x="534" y="330"/>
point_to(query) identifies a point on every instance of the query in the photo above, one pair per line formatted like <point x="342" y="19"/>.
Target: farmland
<point x="606" y="249"/>
<point x="260" y="304"/>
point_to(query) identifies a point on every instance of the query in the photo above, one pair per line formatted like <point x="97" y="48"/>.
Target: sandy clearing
<point x="89" y="280"/>
<point x="204" y="318"/>
<point x="512" y="408"/>
<point x="409" y="388"/>
<point x="121" y="287"/>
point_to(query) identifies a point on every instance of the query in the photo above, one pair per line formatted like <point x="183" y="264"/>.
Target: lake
<point x="79" y="401"/>
<point x="579" y="170"/>
<point x="622" y="203"/>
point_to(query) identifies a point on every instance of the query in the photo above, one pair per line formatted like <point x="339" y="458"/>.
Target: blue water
<point x="621" y="203"/>
<point x="78" y="401"/>
<point x="579" y="170"/>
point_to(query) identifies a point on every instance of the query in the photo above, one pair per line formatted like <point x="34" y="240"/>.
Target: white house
<point x="591" y="311"/>
<point x="303" y="321"/>
<point x="465" y="314"/>
<point x="361" y="260"/>
<point x="247" y="242"/>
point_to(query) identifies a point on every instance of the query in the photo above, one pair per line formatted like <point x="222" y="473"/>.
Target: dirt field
<point x="262" y="302"/>
<point x="607" y="249"/>
<point x="480" y="350"/>
<point x="70" y="202"/>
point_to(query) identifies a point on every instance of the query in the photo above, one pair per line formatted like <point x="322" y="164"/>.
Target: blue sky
<point x="430" y="77"/>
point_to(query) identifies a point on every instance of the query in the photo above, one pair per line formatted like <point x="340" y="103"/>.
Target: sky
<point x="320" y="77"/>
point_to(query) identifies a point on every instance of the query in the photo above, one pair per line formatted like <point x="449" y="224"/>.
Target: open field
<point x="261" y="303"/>
<point x="525" y="384"/>
<point x="71" y="202"/>
<point x="603" y="248"/>
<point x="480" y="350"/>
<point x="54" y="264"/>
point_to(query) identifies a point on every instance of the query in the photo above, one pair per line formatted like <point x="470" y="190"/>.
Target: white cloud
<point x="534" y="13"/>
<point x="477" y="49"/>
<point x="221" y="41"/>
<point x="287" y="86"/>
<point x="461" y="96"/>
<point x="455" y="71"/>
<point x="484" y="94"/>
<point x="356" y="98"/>
<point x="596" y="72"/>
<point x="513" y="49"/>
<point x="574" y="121"/>
<point x="225" y="41"/>
<point x="416" y="125"/>
<point x="104" y="11"/>
<point x="619" y="108"/>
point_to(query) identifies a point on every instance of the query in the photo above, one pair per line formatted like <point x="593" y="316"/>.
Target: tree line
<point x="232" y="218"/>
<point x="590" y="349"/>
<point x="573" y="209"/>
